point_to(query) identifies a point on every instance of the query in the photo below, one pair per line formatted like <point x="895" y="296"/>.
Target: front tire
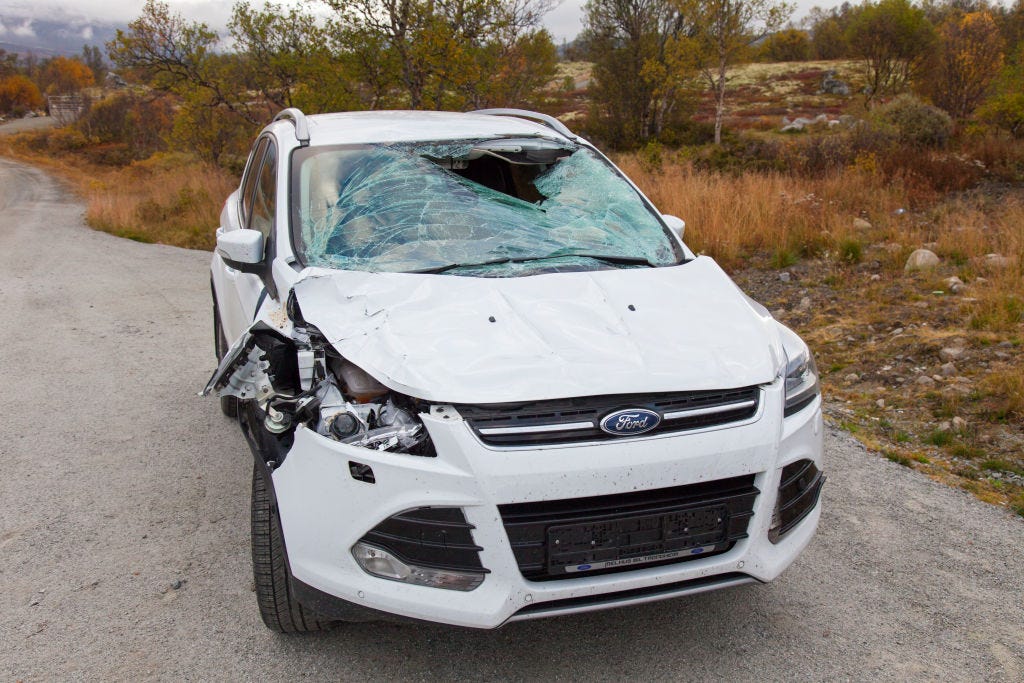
<point x="278" y="607"/>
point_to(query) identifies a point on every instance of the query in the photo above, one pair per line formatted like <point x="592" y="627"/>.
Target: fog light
<point x="381" y="563"/>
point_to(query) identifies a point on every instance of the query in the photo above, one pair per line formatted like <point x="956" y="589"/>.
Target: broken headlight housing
<point x="382" y="421"/>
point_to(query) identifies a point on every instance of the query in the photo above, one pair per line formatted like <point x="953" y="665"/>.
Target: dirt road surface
<point x="118" y="482"/>
<point x="22" y="125"/>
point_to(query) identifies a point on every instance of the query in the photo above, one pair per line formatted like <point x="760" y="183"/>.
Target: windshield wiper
<point x="452" y="266"/>
<point x="618" y="260"/>
<point x="607" y="258"/>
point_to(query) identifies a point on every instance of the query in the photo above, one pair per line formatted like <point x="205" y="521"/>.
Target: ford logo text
<point x="630" y="422"/>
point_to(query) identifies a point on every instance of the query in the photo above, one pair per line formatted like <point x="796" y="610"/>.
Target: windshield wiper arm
<point x="618" y="260"/>
<point x="452" y="266"/>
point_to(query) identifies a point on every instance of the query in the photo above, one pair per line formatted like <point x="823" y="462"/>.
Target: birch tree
<point x="724" y="31"/>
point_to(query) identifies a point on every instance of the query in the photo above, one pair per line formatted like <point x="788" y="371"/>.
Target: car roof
<point x="363" y="127"/>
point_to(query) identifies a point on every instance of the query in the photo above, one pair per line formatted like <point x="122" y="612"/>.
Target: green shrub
<point x="915" y="122"/>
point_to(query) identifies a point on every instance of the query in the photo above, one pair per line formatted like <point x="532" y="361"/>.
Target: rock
<point x="834" y="123"/>
<point x="921" y="259"/>
<point x="805" y="303"/>
<point x="833" y="86"/>
<point x="898" y="330"/>
<point x="848" y="120"/>
<point x="955" y="284"/>
<point x="937" y="378"/>
<point x="861" y="224"/>
<point x="959" y="424"/>
<point x="791" y="128"/>
<point x="944" y="426"/>
<point x="852" y="377"/>
<point x="880" y="403"/>
<point x="948" y="369"/>
<point x="925" y="381"/>
<point x="176" y="584"/>
<point x="951" y="353"/>
<point x="779" y="313"/>
<point x="784" y="276"/>
<point x="875" y="278"/>
<point x="820" y="118"/>
<point x="998" y="261"/>
<point x="1005" y="344"/>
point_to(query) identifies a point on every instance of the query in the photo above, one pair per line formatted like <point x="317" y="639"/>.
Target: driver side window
<point x="265" y="193"/>
<point x="249" y="182"/>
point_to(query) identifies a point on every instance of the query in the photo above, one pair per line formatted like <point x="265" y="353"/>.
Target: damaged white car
<point x="484" y="380"/>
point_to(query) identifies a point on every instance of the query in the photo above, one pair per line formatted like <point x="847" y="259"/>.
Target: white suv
<point x="484" y="380"/>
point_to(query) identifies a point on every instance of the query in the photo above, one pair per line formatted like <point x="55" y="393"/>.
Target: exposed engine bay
<point x="300" y="379"/>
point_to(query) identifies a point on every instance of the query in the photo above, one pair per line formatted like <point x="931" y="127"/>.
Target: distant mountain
<point x="54" y="35"/>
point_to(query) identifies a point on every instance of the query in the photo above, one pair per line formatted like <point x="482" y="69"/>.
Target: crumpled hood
<point x="493" y="340"/>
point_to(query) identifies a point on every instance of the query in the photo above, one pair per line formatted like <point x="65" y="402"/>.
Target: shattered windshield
<point x="488" y="208"/>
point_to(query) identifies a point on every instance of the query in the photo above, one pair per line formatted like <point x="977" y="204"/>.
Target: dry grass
<point x="168" y="200"/>
<point x="733" y="217"/>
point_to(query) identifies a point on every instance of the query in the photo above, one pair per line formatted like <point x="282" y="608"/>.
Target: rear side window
<point x="265" y="193"/>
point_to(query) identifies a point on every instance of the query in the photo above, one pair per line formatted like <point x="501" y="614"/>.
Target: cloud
<point x="87" y="33"/>
<point x="3" y="29"/>
<point x="25" y="30"/>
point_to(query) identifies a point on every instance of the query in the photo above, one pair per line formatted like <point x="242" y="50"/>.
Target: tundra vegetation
<point x="860" y="171"/>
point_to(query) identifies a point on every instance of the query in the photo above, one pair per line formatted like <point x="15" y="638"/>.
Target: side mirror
<point x="241" y="249"/>
<point x="674" y="223"/>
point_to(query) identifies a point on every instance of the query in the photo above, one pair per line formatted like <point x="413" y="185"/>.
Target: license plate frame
<point x="610" y="543"/>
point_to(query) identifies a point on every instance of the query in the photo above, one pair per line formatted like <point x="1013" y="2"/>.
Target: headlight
<point x="801" y="382"/>
<point x="801" y="373"/>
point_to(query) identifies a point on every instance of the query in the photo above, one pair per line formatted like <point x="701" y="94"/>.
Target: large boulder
<point x="921" y="259"/>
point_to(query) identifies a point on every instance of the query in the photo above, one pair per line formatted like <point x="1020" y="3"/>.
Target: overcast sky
<point x="563" y="21"/>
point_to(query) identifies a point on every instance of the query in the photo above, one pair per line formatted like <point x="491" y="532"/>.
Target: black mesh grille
<point x="559" y="415"/>
<point x="429" y="537"/>
<point x="552" y="539"/>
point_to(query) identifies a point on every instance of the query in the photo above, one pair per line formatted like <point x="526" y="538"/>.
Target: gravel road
<point x="119" y="483"/>
<point x="22" y="125"/>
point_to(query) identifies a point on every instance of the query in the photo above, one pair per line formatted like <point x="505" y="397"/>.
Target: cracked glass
<point x="486" y="208"/>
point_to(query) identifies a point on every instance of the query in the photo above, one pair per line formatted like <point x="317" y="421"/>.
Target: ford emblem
<point x="630" y="422"/>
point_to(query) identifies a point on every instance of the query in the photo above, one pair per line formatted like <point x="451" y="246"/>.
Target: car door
<point x="255" y="210"/>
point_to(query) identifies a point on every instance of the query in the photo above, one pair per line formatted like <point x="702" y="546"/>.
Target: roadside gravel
<point x="124" y="522"/>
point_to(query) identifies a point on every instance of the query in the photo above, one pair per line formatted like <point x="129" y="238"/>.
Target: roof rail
<point x="299" y="119"/>
<point x="549" y="121"/>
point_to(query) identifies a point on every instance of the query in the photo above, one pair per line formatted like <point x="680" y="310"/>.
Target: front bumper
<point x="324" y="511"/>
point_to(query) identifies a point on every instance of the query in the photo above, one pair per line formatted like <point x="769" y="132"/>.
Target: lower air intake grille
<point x="799" y="490"/>
<point x="563" y="539"/>
<point x="429" y="537"/>
<point x="577" y="419"/>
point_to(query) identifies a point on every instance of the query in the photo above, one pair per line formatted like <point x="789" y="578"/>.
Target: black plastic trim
<point x="799" y="492"/>
<point x="439" y="538"/>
